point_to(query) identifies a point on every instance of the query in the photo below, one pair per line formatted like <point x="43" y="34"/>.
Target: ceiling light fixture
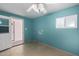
<point x="38" y="8"/>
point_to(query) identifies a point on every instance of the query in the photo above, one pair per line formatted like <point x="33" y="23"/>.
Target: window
<point x="67" y="22"/>
<point x="60" y="22"/>
<point x="4" y="25"/>
<point x="71" y="21"/>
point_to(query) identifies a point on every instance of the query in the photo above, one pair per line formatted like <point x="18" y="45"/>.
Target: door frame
<point x="22" y="26"/>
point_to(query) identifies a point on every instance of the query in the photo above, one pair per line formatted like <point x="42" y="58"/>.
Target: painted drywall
<point x="43" y="29"/>
<point x="66" y="39"/>
<point x="27" y="24"/>
<point x="28" y="30"/>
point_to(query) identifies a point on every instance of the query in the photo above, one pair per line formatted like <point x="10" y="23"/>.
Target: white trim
<point x="14" y="18"/>
<point x="6" y="17"/>
<point x="23" y="30"/>
<point x="64" y="23"/>
<point x="5" y="25"/>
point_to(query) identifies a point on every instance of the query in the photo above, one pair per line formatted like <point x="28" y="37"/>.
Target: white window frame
<point x="74" y="20"/>
<point x="65" y="21"/>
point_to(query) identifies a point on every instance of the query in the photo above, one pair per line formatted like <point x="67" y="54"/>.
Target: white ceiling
<point x="20" y="8"/>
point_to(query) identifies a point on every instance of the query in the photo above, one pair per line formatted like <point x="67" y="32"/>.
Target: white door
<point x="17" y="31"/>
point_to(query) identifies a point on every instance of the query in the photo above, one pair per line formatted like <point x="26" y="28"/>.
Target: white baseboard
<point x="17" y="43"/>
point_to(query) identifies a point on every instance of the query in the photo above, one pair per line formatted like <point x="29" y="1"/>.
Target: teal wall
<point x="27" y="23"/>
<point x="66" y="39"/>
<point x="28" y="32"/>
